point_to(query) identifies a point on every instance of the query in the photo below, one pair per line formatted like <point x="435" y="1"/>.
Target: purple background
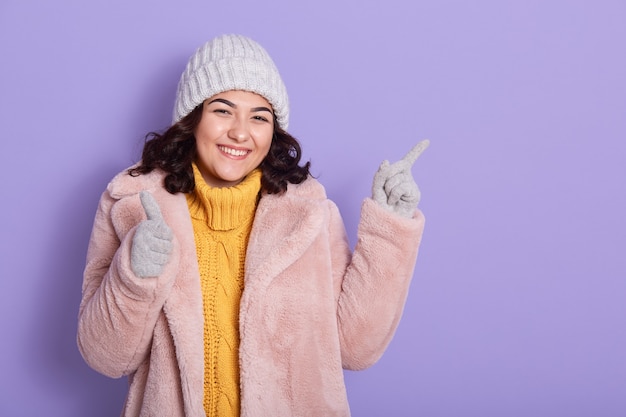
<point x="518" y="305"/>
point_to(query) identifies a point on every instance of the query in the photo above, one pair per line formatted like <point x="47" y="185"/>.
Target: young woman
<point x="219" y="278"/>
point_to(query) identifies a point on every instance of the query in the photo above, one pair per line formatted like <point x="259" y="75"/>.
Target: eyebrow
<point x="234" y="106"/>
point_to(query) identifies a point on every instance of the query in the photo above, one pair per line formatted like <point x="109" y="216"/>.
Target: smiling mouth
<point x="233" y="152"/>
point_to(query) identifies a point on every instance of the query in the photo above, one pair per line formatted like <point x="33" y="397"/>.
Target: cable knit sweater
<point x="222" y="220"/>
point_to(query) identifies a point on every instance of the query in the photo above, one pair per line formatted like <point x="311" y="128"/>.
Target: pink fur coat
<point x="309" y="307"/>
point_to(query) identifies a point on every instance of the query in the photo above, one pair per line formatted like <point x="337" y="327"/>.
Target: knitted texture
<point x="222" y="220"/>
<point x="231" y="62"/>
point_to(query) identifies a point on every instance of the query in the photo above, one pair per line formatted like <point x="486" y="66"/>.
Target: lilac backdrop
<point x="518" y="304"/>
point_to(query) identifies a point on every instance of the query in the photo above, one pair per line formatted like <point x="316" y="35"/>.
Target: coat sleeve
<point x="375" y="281"/>
<point x="118" y="310"/>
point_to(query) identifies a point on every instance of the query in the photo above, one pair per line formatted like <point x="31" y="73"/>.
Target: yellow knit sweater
<point x="222" y="220"/>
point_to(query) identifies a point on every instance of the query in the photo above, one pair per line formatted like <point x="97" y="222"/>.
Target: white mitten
<point x="152" y="243"/>
<point x="394" y="187"/>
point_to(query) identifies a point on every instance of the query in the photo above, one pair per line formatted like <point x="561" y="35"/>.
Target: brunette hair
<point x="174" y="150"/>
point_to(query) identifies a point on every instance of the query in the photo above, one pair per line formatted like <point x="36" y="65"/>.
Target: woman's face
<point x="233" y="137"/>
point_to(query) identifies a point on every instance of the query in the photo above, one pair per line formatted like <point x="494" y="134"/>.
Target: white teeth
<point x="233" y="152"/>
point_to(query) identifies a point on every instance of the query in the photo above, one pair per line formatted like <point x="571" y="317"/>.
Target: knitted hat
<point x="231" y="62"/>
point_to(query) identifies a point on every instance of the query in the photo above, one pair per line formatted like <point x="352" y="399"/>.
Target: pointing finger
<point x="151" y="207"/>
<point x="414" y="153"/>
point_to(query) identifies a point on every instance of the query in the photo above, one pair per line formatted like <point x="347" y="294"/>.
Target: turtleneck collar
<point x="224" y="208"/>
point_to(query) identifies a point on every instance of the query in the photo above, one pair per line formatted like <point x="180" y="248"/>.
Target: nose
<point x="239" y="131"/>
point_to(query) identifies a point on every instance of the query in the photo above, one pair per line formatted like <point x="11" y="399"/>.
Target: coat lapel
<point x="284" y="227"/>
<point x="183" y="307"/>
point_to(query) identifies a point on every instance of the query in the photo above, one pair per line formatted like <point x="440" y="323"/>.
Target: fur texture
<point x="309" y="307"/>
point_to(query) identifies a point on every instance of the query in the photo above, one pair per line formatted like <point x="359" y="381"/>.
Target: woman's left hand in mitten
<point x="394" y="187"/>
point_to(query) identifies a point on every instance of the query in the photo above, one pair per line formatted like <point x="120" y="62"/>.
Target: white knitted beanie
<point x="231" y="62"/>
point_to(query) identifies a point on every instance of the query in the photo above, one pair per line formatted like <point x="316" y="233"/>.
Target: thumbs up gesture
<point x="152" y="243"/>
<point x="394" y="187"/>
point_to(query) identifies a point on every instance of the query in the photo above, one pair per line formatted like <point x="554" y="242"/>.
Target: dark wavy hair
<point x="174" y="150"/>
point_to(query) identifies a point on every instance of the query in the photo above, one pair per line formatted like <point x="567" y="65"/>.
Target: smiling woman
<point x="233" y="136"/>
<point x="219" y="278"/>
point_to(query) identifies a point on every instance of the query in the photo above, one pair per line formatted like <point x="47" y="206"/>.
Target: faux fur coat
<point x="309" y="307"/>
